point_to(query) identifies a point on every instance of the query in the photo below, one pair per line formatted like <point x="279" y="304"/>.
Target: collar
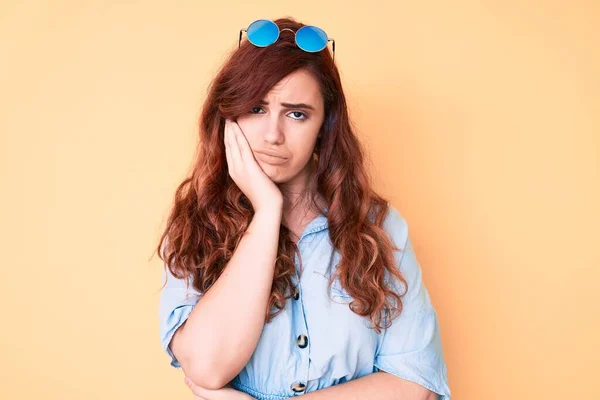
<point x="318" y="223"/>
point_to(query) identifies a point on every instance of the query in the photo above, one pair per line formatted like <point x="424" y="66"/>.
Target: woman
<point x="286" y="274"/>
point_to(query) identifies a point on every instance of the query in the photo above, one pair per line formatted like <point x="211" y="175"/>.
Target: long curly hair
<point x="210" y="213"/>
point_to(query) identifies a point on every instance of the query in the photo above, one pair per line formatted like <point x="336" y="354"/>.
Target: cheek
<point x="251" y="133"/>
<point x="302" y="155"/>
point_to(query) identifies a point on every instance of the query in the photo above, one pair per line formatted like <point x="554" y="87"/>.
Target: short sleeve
<point x="175" y="305"/>
<point x="411" y="348"/>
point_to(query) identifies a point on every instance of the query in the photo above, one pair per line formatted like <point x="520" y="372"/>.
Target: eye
<point x="255" y="108"/>
<point x="298" y="116"/>
<point x="304" y="116"/>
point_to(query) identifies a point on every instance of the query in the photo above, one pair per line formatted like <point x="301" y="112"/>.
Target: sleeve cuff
<point x="174" y="320"/>
<point x="438" y="384"/>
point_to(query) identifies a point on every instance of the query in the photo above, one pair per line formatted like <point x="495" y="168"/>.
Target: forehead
<point x="299" y="86"/>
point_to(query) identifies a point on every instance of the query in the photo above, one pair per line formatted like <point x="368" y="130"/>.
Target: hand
<point x="246" y="172"/>
<point x="225" y="393"/>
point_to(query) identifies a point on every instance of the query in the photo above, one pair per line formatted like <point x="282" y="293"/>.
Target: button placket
<point x="300" y="386"/>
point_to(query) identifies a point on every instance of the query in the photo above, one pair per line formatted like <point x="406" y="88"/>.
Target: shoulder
<point x="396" y="226"/>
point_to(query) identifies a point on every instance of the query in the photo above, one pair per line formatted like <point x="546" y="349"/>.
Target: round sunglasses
<point x="264" y="32"/>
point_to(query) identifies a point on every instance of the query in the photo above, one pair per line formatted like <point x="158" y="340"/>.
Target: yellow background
<point x="482" y="120"/>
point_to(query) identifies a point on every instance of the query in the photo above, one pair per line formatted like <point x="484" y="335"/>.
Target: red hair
<point x="210" y="213"/>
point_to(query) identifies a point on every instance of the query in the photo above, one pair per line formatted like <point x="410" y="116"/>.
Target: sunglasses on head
<point x="264" y="32"/>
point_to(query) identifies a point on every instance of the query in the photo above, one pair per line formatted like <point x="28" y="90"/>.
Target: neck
<point x="298" y="197"/>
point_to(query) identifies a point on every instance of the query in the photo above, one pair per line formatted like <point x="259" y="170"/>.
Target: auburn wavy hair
<point x="210" y="213"/>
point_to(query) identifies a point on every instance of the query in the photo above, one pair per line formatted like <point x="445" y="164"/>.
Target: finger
<point x="242" y="141"/>
<point x="227" y="149"/>
<point x="232" y="161"/>
<point x="225" y="139"/>
<point x="233" y="144"/>
<point x="197" y="390"/>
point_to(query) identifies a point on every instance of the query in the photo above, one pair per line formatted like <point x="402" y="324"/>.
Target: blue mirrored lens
<point x="311" y="38"/>
<point x="263" y="32"/>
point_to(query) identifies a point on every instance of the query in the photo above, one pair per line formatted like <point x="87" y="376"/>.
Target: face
<point x="286" y="123"/>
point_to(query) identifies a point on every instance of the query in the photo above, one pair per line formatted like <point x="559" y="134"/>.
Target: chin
<point x="275" y="176"/>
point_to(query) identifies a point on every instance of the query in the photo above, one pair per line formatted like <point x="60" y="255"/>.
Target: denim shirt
<point x="317" y="342"/>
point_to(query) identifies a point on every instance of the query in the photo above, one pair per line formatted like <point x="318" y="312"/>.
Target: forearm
<point x="215" y="342"/>
<point x="376" y="386"/>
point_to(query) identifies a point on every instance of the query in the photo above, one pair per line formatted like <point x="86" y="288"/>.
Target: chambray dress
<point x="317" y="342"/>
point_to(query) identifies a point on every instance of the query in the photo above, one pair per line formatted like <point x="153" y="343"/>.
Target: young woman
<point x="286" y="274"/>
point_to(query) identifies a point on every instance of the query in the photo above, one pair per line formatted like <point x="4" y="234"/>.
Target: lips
<point x="271" y="153"/>
<point x="270" y="159"/>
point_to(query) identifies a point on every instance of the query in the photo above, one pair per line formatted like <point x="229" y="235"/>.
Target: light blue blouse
<point x="315" y="342"/>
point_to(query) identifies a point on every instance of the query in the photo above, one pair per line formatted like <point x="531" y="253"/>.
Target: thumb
<point x="195" y="388"/>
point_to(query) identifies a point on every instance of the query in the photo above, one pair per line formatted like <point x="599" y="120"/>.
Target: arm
<point x="410" y="350"/>
<point x="376" y="386"/>
<point x="215" y="343"/>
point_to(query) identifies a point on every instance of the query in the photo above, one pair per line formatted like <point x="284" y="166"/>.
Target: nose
<point x="274" y="131"/>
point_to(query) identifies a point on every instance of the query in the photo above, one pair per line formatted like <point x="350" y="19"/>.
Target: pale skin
<point x="292" y="131"/>
<point x="377" y="386"/>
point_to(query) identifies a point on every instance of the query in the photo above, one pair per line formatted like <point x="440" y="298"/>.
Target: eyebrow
<point x="290" y="105"/>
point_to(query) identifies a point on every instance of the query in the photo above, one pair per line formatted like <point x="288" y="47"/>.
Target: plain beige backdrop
<point x="481" y="118"/>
